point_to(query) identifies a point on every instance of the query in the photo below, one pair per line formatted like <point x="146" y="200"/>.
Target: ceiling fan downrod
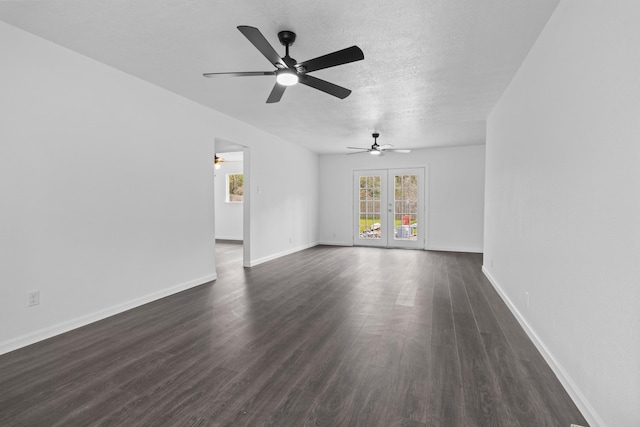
<point x="375" y="136"/>
<point x="286" y="39"/>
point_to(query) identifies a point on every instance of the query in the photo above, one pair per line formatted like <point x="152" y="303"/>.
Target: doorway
<point x="232" y="203"/>
<point x="389" y="208"/>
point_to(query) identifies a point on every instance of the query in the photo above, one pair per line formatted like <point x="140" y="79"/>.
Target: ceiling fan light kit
<point x="287" y="77"/>
<point x="288" y="71"/>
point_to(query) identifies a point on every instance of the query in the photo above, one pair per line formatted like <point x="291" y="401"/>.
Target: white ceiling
<point x="433" y="69"/>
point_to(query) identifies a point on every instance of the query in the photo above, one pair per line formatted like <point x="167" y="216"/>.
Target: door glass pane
<point x="405" y="207"/>
<point x="370" y="227"/>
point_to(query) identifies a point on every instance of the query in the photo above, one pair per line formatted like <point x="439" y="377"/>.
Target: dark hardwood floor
<point x="330" y="336"/>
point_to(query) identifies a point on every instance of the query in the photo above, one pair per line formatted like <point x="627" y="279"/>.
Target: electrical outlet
<point x="290" y="240"/>
<point x="33" y="298"/>
<point x="491" y="262"/>
<point x="526" y="299"/>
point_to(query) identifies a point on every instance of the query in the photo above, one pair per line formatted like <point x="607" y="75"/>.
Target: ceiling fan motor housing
<point x="287" y="37"/>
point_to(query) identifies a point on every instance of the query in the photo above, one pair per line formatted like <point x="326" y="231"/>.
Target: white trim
<point x="380" y="242"/>
<point x="246" y="208"/>
<point x="328" y="243"/>
<point x="386" y="239"/>
<point x="237" y="239"/>
<point x="426" y="195"/>
<point x="66" y="326"/>
<point x="253" y="263"/>
<point x="421" y="241"/>
<point x="455" y="249"/>
<point x="588" y="411"/>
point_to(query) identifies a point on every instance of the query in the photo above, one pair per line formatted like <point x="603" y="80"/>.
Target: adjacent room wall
<point x="108" y="192"/>
<point x="229" y="217"/>
<point x="455" y="200"/>
<point x="563" y="206"/>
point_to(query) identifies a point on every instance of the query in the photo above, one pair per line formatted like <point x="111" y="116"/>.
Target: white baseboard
<point x="588" y="411"/>
<point x="66" y="326"/>
<point x="335" y="243"/>
<point x="455" y="249"/>
<point x="253" y="263"/>
<point x="431" y="248"/>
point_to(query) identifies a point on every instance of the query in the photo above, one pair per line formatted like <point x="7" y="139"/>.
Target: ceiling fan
<point x="218" y="161"/>
<point x="288" y="71"/>
<point x="378" y="150"/>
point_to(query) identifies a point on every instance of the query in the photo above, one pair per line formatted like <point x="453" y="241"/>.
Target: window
<point x="369" y="207"/>
<point x="235" y="187"/>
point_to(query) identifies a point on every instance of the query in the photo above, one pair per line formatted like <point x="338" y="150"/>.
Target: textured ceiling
<point x="433" y="69"/>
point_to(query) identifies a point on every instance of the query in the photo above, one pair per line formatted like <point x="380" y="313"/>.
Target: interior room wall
<point x="108" y="191"/>
<point x="283" y="190"/>
<point x="562" y="205"/>
<point x="455" y="194"/>
<point x="229" y="216"/>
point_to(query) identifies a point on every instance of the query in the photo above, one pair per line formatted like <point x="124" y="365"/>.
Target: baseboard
<point x="66" y="326"/>
<point x="431" y="248"/>
<point x="253" y="263"/>
<point x="455" y="249"/>
<point x="327" y="243"/>
<point x="231" y="239"/>
<point x="588" y="411"/>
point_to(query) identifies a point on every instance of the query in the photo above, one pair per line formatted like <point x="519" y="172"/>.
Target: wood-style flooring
<point x="330" y="336"/>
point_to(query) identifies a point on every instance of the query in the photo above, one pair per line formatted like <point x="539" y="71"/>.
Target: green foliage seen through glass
<point x="235" y="187"/>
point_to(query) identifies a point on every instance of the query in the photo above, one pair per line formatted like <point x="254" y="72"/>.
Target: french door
<point x="389" y="208"/>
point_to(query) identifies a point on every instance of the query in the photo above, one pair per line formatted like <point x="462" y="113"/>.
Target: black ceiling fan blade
<point x="344" y="56"/>
<point x="240" y="74"/>
<point x="257" y="39"/>
<point x="325" y="86"/>
<point x="276" y="93"/>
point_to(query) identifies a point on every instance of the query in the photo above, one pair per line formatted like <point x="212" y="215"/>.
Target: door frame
<point x="389" y="242"/>
<point x="222" y="146"/>
<point x="355" y="196"/>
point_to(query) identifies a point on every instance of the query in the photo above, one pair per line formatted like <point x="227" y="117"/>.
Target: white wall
<point x="562" y="219"/>
<point x="455" y="201"/>
<point x="107" y="190"/>
<point x="283" y="192"/>
<point x="229" y="216"/>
